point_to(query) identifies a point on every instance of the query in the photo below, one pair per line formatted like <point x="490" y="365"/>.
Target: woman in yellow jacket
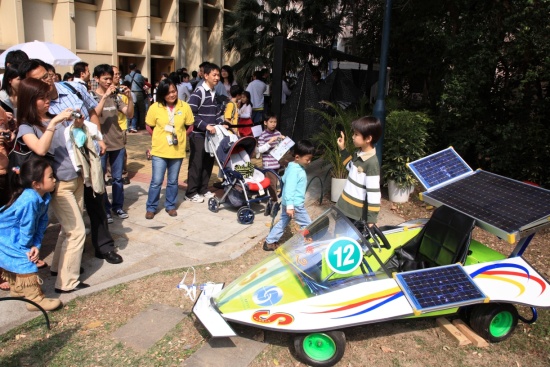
<point x="168" y="117"/>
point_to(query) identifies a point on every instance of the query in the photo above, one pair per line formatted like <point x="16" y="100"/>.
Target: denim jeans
<point x="300" y="216"/>
<point x="160" y="165"/>
<point x="116" y="160"/>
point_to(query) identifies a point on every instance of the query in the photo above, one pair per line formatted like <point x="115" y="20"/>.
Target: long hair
<point x="248" y="99"/>
<point x="10" y="74"/>
<point x="230" y="76"/>
<point x="162" y="90"/>
<point x="31" y="171"/>
<point x="29" y="91"/>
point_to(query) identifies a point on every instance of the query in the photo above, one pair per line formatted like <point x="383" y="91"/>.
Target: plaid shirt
<point x="67" y="99"/>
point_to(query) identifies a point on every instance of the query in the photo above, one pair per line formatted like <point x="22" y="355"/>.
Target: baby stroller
<point x="243" y="183"/>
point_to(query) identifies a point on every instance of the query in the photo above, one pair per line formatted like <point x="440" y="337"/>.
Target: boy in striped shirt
<point x="268" y="139"/>
<point x="360" y="199"/>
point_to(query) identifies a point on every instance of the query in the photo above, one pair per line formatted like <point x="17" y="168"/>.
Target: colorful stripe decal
<point x="342" y="306"/>
<point x="497" y="266"/>
<point x="494" y="277"/>
<point x="489" y="272"/>
<point x="394" y="297"/>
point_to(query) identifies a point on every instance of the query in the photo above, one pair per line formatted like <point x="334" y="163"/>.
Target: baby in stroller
<point x="243" y="182"/>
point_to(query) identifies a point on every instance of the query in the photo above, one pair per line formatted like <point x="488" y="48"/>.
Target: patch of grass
<point x="116" y="289"/>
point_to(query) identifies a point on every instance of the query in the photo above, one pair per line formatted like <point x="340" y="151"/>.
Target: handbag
<point x="21" y="153"/>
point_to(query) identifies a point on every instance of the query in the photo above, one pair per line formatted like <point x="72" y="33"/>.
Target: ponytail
<point x="22" y="178"/>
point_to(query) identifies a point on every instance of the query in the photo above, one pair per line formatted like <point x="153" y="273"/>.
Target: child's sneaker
<point x="195" y="198"/>
<point x="271" y="246"/>
<point x="109" y="219"/>
<point x="121" y="214"/>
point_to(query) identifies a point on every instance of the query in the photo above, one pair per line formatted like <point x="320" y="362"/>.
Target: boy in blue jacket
<point x="294" y="194"/>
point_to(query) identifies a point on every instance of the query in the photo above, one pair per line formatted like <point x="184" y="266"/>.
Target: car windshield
<point x="331" y="253"/>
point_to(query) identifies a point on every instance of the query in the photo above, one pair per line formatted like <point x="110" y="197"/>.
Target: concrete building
<point x="157" y="35"/>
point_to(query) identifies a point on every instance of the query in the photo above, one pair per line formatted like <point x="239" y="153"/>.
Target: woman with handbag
<point x="43" y="135"/>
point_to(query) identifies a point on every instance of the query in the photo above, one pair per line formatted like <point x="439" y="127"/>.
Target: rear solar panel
<point x="504" y="203"/>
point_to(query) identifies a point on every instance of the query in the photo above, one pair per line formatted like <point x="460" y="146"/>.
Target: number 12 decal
<point x="343" y="255"/>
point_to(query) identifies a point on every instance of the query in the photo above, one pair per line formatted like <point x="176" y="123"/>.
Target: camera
<point x="118" y="90"/>
<point x="174" y="139"/>
<point x="6" y="134"/>
<point x="76" y="115"/>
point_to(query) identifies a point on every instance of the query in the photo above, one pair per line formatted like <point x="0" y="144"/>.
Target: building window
<point x="92" y="2"/>
<point x="155" y="8"/>
<point x="123" y="5"/>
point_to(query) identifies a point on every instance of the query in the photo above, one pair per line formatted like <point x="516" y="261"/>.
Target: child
<point x="361" y="196"/>
<point x="231" y="114"/>
<point x="245" y="115"/>
<point x="294" y="194"/>
<point x="23" y="221"/>
<point x="268" y="140"/>
<point x="185" y="82"/>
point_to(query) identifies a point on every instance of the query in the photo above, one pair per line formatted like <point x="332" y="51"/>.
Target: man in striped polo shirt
<point x="361" y="196"/>
<point x="207" y="114"/>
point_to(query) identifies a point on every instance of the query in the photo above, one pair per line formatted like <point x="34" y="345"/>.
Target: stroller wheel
<point x="245" y="215"/>
<point x="213" y="205"/>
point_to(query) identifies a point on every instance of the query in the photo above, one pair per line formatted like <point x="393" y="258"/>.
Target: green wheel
<point x="494" y="321"/>
<point x="320" y="349"/>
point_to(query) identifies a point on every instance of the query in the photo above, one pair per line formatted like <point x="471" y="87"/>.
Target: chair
<point x="444" y="240"/>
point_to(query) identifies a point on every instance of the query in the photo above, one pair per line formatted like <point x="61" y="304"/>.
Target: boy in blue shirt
<point x="294" y="194"/>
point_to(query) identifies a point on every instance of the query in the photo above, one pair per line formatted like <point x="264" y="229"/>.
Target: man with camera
<point x="109" y="104"/>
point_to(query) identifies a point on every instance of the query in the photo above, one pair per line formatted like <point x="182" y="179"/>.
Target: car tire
<point x="494" y="321"/>
<point x="322" y="349"/>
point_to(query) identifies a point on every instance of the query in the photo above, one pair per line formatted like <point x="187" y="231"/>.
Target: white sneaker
<point x="195" y="199"/>
<point x="208" y="195"/>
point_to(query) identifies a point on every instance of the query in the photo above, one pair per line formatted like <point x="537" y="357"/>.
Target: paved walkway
<point x="150" y="246"/>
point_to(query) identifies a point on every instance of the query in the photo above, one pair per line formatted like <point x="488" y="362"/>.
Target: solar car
<point x="335" y="274"/>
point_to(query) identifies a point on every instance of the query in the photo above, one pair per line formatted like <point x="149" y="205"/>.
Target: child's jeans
<point x="300" y="216"/>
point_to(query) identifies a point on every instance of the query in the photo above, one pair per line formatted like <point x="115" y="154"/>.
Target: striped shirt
<point x="68" y="99"/>
<point x="264" y="147"/>
<point x="361" y="196"/>
<point x="207" y="112"/>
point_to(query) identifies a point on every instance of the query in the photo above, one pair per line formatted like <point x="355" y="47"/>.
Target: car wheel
<point x="320" y="349"/>
<point x="494" y="321"/>
<point x="245" y="215"/>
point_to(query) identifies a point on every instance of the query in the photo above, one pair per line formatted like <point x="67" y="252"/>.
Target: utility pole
<point x="379" y="110"/>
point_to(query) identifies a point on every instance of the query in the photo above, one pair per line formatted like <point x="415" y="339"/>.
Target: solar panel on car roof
<point x="439" y="167"/>
<point x="499" y="201"/>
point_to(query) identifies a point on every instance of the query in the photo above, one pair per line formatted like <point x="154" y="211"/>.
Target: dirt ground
<point x="81" y="331"/>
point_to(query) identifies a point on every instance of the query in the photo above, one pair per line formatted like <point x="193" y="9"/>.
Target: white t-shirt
<point x="257" y="89"/>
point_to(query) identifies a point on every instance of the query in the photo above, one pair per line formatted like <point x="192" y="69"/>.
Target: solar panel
<point x="439" y="288"/>
<point x="439" y="168"/>
<point x="500" y="202"/>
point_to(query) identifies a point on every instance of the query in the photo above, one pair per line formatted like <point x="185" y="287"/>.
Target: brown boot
<point x="10" y="277"/>
<point x="30" y="285"/>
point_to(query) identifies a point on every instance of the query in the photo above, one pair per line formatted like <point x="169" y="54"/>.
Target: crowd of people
<point x="75" y="131"/>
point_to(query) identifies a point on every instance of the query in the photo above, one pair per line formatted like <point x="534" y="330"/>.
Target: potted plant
<point x="336" y="119"/>
<point x="405" y="136"/>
